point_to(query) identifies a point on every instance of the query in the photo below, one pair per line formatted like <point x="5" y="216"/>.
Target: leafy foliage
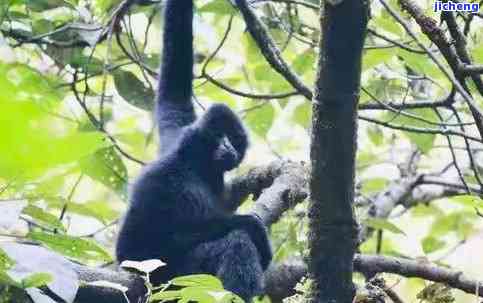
<point x="201" y="288"/>
<point x="74" y="247"/>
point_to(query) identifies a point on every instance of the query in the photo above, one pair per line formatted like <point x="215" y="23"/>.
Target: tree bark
<point x="333" y="228"/>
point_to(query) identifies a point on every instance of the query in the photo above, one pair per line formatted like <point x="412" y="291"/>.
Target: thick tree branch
<point x="396" y="193"/>
<point x="287" y="190"/>
<point x="89" y="293"/>
<point x="410" y="269"/>
<point x="283" y="277"/>
<point x="251" y="183"/>
<point x="471" y="69"/>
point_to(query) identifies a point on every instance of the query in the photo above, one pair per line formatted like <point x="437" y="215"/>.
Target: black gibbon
<point x="176" y="211"/>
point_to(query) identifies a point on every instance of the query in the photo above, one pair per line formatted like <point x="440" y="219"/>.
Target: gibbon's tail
<point x="174" y="107"/>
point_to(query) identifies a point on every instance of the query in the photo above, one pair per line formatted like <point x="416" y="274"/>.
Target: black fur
<point x="176" y="210"/>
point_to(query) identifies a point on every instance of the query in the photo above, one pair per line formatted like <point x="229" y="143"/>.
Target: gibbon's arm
<point x="190" y="234"/>
<point x="174" y="108"/>
<point x="175" y="83"/>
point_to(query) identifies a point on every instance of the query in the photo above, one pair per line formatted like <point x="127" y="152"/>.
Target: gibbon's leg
<point x="190" y="234"/>
<point x="234" y="259"/>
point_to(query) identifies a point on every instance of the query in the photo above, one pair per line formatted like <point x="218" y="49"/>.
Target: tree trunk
<point x="333" y="227"/>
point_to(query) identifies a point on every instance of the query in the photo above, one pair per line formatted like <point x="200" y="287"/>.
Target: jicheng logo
<point x="450" y="6"/>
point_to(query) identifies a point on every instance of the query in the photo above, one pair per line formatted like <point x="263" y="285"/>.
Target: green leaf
<point x="424" y="142"/>
<point x="215" y="94"/>
<point x="257" y="67"/>
<point x="382" y="224"/>
<point x="468" y="201"/>
<point x="303" y="114"/>
<point x="99" y="210"/>
<point x="44" y="218"/>
<point x="197" y="288"/>
<point x="199" y="280"/>
<point x="42" y="26"/>
<point x="11" y="3"/>
<point x="74" y="247"/>
<point x="461" y="223"/>
<point x="375" y="134"/>
<point x="37" y="280"/>
<point x="426" y="210"/>
<point x="42" y="5"/>
<point x="33" y="140"/>
<point x="5" y="279"/>
<point x="386" y="23"/>
<point x="365" y="159"/>
<point x="133" y="90"/>
<point x="375" y="57"/>
<point x="105" y="6"/>
<point x="220" y="7"/>
<point x="18" y="16"/>
<point x="167" y="295"/>
<point x="107" y="167"/>
<point x="5" y="262"/>
<point x="260" y="119"/>
<point x="196" y="294"/>
<point x="374" y="185"/>
<point x="431" y="244"/>
<point x="304" y="61"/>
<point x="420" y="64"/>
<point x="477" y="53"/>
<point x="282" y="252"/>
<point x="85" y="63"/>
<point x="34" y="86"/>
<point x="266" y="77"/>
<point x="252" y="52"/>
